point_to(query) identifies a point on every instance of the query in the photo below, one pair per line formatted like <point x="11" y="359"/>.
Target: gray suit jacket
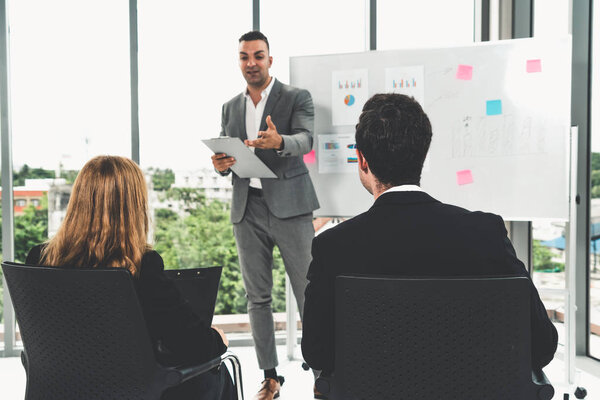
<point x="292" y="192"/>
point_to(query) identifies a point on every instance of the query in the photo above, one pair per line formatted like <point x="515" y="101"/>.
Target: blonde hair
<point x="106" y="224"/>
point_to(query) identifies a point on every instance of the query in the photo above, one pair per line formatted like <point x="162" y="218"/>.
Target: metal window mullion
<point x="372" y="24"/>
<point x="580" y="117"/>
<point x="133" y="71"/>
<point x="256" y="15"/>
<point x="8" y="245"/>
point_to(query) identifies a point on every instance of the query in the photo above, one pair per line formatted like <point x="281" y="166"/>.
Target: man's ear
<point x="362" y="162"/>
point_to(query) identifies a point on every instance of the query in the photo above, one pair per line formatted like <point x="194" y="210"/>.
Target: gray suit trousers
<point x="256" y="235"/>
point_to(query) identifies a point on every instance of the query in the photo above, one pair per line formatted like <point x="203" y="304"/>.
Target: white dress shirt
<point x="253" y="117"/>
<point x="403" y="188"/>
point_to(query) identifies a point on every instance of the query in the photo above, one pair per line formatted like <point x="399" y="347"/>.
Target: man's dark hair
<point x="393" y="134"/>
<point x="254" y="35"/>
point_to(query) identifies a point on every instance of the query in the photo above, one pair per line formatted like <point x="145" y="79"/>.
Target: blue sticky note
<point x="494" y="107"/>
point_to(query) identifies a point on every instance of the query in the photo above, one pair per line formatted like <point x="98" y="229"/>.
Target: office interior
<point x="146" y="80"/>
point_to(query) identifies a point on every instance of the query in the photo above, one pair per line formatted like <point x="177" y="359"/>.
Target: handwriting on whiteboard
<point x="499" y="136"/>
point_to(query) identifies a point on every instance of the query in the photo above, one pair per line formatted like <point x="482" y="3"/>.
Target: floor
<point x="298" y="384"/>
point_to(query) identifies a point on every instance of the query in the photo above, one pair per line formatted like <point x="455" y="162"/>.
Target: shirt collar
<point x="265" y="93"/>
<point x="404" y="188"/>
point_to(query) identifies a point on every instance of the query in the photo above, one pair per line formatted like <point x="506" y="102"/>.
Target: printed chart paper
<point x="349" y="92"/>
<point x="337" y="154"/>
<point x="407" y="80"/>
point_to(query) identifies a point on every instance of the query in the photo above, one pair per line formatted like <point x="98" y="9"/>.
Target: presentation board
<point x="500" y="113"/>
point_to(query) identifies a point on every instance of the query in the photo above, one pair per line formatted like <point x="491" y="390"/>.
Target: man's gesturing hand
<point x="269" y="139"/>
<point x="222" y="162"/>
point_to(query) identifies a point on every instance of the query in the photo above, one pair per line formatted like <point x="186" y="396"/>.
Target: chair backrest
<point x="83" y="332"/>
<point x="430" y="339"/>
<point x="199" y="286"/>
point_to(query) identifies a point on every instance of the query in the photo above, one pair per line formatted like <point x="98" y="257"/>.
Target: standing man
<point x="276" y="121"/>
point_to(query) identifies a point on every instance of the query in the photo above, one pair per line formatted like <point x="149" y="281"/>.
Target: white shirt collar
<point x="265" y="93"/>
<point x="404" y="188"/>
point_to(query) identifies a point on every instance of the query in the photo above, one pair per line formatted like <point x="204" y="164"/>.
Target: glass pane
<point x="551" y="18"/>
<point x="187" y="70"/>
<point x="406" y="23"/>
<point x="594" y="277"/>
<point x="337" y="26"/>
<point x="70" y="101"/>
<point x="549" y="269"/>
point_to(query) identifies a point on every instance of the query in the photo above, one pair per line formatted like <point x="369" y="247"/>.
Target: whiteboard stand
<point x="571" y="375"/>
<point x="291" y="324"/>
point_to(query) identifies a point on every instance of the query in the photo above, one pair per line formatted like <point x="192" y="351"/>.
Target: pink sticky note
<point x="534" y="66"/>
<point x="464" y="177"/>
<point x="309" y="158"/>
<point x="464" y="72"/>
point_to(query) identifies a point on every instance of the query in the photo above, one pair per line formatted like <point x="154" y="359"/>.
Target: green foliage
<point x="595" y="176"/>
<point x="26" y="172"/>
<point x="202" y="237"/>
<point x="69" y="175"/>
<point x="595" y="162"/>
<point x="162" y="179"/>
<point x="31" y="229"/>
<point x="542" y="259"/>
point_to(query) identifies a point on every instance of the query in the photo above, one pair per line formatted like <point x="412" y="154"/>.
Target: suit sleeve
<point x="180" y="334"/>
<point x="544" y="337"/>
<point x="223" y="133"/>
<point x="299" y="140"/>
<point x="318" y="322"/>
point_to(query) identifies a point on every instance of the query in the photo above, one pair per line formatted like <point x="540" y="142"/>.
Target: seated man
<point x="406" y="232"/>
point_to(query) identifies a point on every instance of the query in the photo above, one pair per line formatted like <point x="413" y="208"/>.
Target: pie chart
<point x="349" y="100"/>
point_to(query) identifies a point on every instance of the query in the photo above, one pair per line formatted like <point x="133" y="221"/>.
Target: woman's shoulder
<point x="152" y="261"/>
<point x="34" y="255"/>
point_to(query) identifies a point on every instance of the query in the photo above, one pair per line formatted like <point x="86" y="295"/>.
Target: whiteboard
<point x="500" y="114"/>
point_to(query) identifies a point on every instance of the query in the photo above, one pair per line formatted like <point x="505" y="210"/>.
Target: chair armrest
<point x="545" y="390"/>
<point x="191" y="371"/>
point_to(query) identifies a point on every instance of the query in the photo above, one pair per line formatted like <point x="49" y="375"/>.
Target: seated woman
<point x="106" y="225"/>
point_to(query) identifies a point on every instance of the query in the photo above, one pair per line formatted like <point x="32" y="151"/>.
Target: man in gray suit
<point x="276" y="121"/>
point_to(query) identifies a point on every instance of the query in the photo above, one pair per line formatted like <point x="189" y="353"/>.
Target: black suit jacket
<point x="411" y="234"/>
<point x="172" y="325"/>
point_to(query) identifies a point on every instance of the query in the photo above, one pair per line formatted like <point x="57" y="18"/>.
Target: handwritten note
<point x="534" y="66"/>
<point x="464" y="72"/>
<point x="464" y="177"/>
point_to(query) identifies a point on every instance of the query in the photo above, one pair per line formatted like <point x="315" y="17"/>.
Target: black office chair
<point x="85" y="337"/>
<point x="402" y="338"/>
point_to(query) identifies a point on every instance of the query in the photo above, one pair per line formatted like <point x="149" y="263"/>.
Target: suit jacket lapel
<point x="271" y="101"/>
<point x="241" y="111"/>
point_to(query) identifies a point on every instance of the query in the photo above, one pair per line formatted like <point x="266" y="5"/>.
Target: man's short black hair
<point x="393" y="134"/>
<point x="254" y="35"/>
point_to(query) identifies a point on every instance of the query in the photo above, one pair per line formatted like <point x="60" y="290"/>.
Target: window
<point x="69" y="101"/>
<point x="339" y="26"/>
<point x="594" y="263"/>
<point x="406" y="23"/>
<point x="550" y="19"/>
<point x="187" y="69"/>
